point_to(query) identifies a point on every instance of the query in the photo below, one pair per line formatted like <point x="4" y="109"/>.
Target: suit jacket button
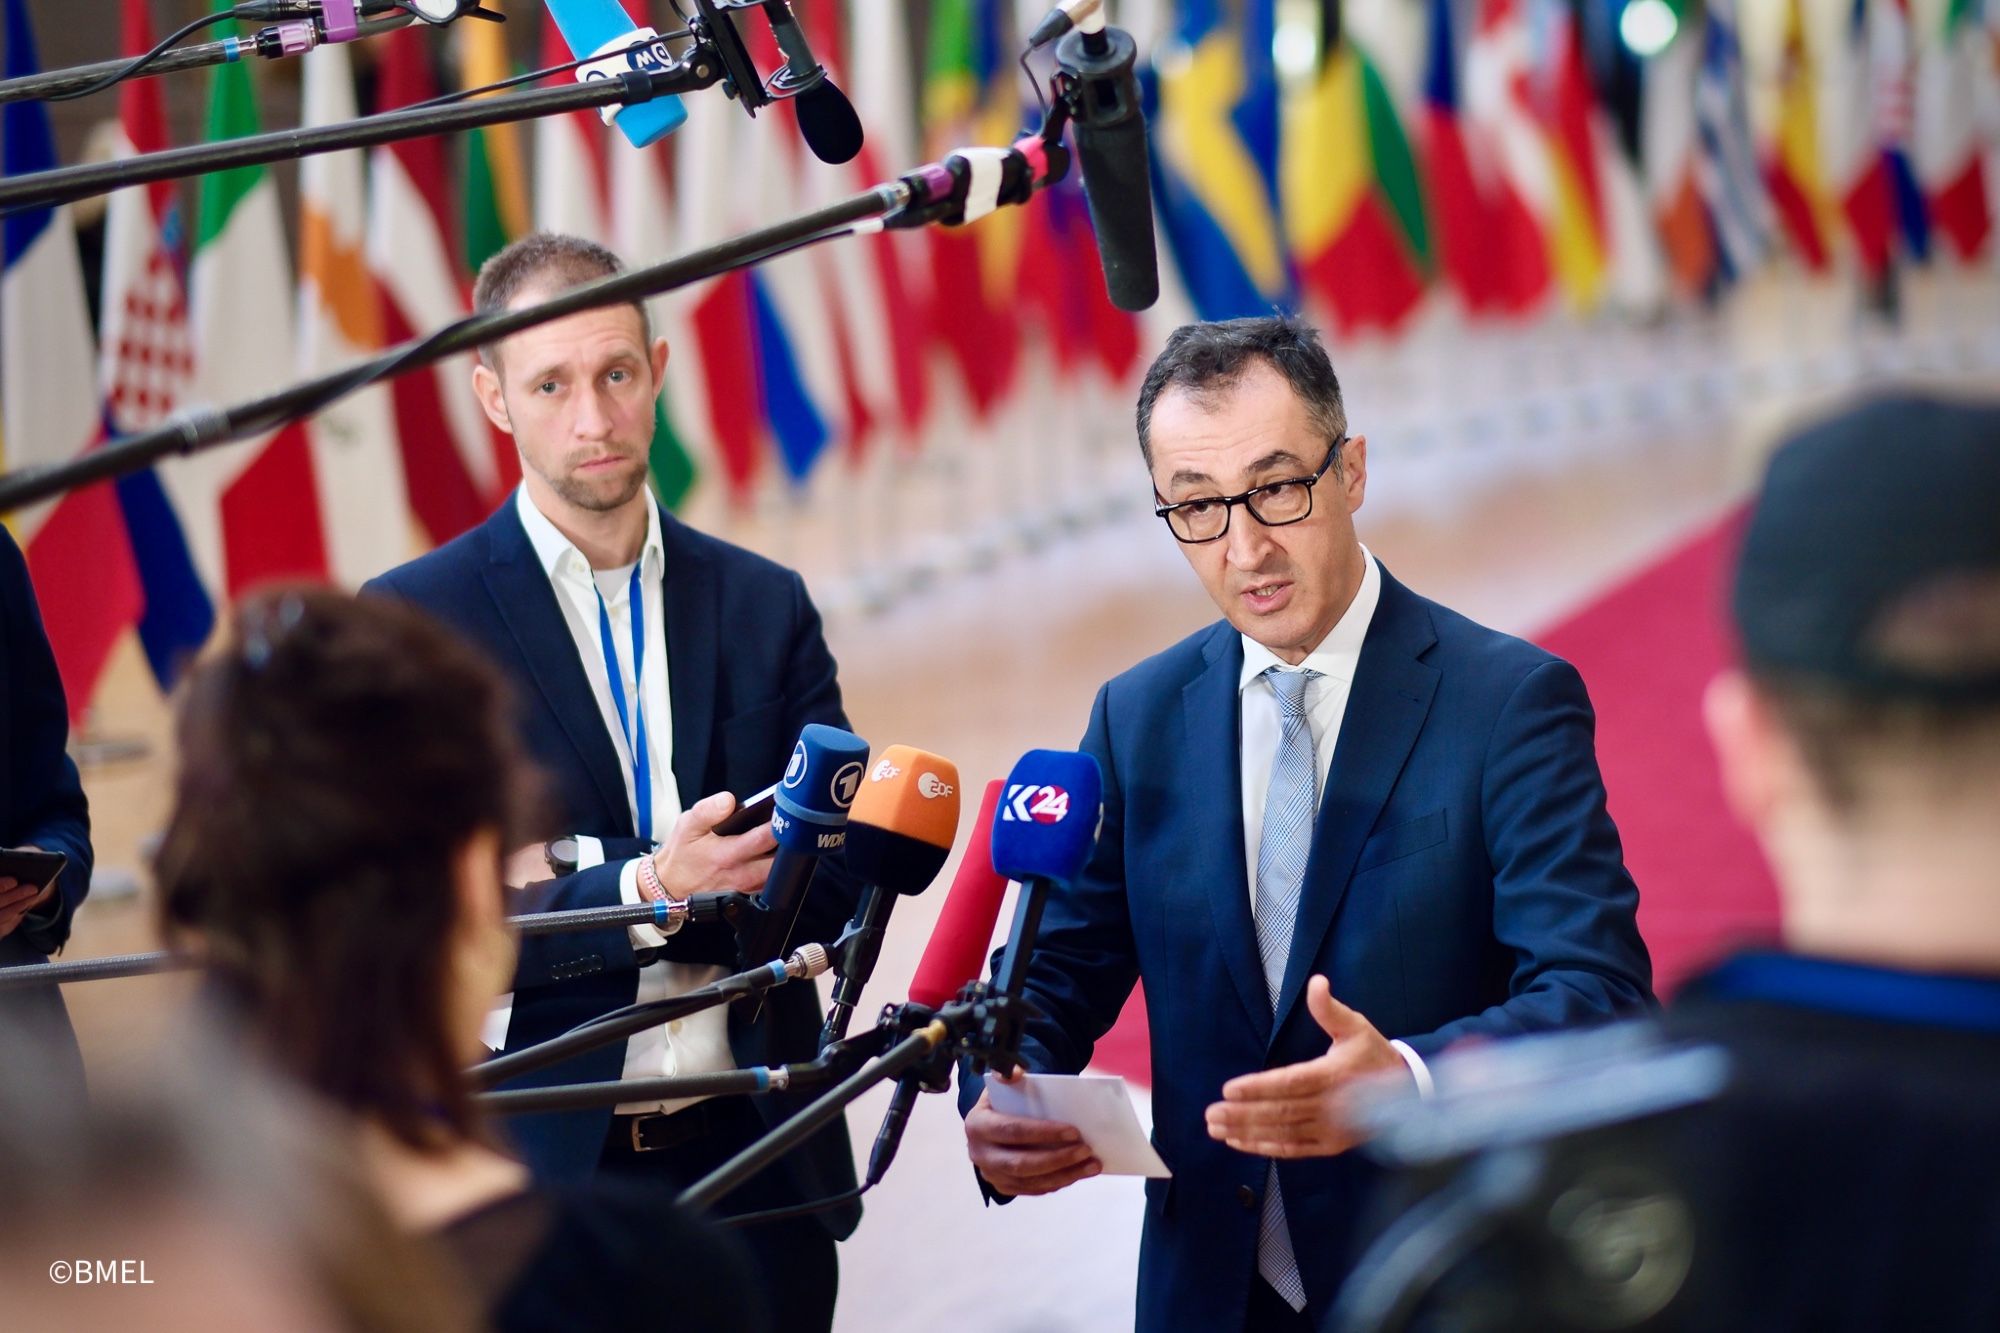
<point x="1247" y="1197"/>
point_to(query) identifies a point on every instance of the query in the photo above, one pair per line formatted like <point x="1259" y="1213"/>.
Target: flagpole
<point x="935" y="192"/>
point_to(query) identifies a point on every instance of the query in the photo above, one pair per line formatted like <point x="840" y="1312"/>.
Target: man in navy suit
<point x="42" y="806"/>
<point x="658" y="671"/>
<point x="1341" y="789"/>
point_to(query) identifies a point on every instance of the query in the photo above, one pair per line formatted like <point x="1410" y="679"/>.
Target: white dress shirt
<point x="698" y="1044"/>
<point x="1335" y="659"/>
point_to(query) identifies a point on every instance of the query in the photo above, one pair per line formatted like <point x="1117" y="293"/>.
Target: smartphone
<point x="37" y="870"/>
<point x="750" y="812"/>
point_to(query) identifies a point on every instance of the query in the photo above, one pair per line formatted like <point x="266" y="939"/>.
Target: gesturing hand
<point x="1300" y="1110"/>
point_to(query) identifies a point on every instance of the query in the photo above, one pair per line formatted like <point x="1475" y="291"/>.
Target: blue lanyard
<point x="635" y="735"/>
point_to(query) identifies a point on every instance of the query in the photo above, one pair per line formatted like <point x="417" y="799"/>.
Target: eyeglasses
<point x="1274" y="504"/>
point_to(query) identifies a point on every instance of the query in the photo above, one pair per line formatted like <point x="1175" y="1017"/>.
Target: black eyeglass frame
<point x="1164" y="511"/>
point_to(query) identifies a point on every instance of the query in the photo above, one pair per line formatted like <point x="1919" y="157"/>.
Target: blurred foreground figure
<point x="348" y="780"/>
<point x="194" y="1195"/>
<point x="1808" y="1141"/>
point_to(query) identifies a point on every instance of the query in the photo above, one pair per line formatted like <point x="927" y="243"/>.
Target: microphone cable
<point x="160" y="48"/>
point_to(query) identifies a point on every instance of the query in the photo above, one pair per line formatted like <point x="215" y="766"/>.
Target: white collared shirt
<point x="1335" y="659"/>
<point x="698" y="1044"/>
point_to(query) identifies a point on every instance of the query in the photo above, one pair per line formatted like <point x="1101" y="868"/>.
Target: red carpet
<point x="1647" y="647"/>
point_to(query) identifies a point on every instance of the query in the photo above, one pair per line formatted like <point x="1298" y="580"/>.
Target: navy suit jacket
<point x="41" y="803"/>
<point x="748" y="668"/>
<point x="1464" y="880"/>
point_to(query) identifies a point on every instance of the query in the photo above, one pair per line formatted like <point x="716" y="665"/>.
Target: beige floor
<point x="1512" y="476"/>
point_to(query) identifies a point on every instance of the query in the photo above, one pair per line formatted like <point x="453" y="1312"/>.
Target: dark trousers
<point x="800" y="1271"/>
<point x="1268" y="1312"/>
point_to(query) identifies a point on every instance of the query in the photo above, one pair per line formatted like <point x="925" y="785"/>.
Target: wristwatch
<point x="562" y="856"/>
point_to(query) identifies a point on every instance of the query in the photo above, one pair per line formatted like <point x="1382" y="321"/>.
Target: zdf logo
<point x="884" y="771"/>
<point x="931" y="786"/>
<point x="1026" y="801"/>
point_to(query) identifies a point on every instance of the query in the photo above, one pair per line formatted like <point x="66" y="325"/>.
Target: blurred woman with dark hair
<point x="348" y="781"/>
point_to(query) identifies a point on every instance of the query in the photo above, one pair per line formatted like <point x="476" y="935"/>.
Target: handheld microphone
<point x="899" y="835"/>
<point x="1043" y="837"/>
<point x="594" y="28"/>
<point x="809" y="819"/>
<point x="1111" y="149"/>
<point x="956" y="954"/>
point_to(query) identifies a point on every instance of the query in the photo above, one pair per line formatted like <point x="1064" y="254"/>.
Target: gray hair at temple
<point x="1206" y="360"/>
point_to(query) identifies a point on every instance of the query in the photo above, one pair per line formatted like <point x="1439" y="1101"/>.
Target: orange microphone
<point x="899" y="835"/>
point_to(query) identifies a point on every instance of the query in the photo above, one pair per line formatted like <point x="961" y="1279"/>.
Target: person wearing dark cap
<point x="1842" y="1168"/>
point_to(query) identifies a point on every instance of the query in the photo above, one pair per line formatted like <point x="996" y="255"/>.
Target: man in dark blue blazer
<point x="42" y="806"/>
<point x="1342" y="789"/>
<point x="657" y="671"/>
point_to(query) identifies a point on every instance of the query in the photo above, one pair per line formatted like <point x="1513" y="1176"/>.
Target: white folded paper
<point x="1099" y="1107"/>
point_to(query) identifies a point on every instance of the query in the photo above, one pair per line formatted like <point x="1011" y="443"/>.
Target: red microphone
<point x="964" y="932"/>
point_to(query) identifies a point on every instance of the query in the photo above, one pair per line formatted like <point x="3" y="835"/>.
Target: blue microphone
<point x="809" y="820"/>
<point x="1043" y="834"/>
<point x="594" y="28"/>
<point x="1046" y="824"/>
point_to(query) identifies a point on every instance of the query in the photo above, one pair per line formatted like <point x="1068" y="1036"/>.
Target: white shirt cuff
<point x="1418" y="1069"/>
<point x="643" y="937"/>
<point x="589" y="852"/>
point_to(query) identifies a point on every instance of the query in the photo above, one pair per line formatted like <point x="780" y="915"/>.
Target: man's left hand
<point x="17" y="900"/>
<point x="1300" y="1110"/>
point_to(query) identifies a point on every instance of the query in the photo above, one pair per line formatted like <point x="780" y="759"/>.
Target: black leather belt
<point x="656" y="1130"/>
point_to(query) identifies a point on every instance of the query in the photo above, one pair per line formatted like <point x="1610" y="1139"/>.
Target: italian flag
<point x="1946" y="147"/>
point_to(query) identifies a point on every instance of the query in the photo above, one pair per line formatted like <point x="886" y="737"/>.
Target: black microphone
<point x="899" y="835"/>
<point x="826" y="117"/>
<point x="1103" y="94"/>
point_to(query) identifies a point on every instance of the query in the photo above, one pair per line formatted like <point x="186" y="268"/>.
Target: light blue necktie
<point x="1289" y="808"/>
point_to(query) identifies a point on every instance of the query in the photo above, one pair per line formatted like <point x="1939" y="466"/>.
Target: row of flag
<point x="1359" y="160"/>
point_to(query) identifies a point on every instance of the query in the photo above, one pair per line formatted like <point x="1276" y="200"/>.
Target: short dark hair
<point x="552" y="260"/>
<point x="1847" y="734"/>
<point x="1208" y="358"/>
<point x="334" y="758"/>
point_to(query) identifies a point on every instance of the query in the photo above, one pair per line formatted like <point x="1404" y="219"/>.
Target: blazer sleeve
<point x="49" y="809"/>
<point x="1564" y="907"/>
<point x="1085" y="961"/>
<point x="812" y="694"/>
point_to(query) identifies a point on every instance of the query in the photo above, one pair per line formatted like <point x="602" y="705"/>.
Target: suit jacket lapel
<point x="1386" y="707"/>
<point x="694" y="652"/>
<point x="521" y="591"/>
<point x="1214" y="813"/>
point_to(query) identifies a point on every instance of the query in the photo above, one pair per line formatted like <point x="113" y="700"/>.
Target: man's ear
<point x="659" y="359"/>
<point x="1354" y="471"/>
<point x="1750" y="749"/>
<point x="486" y="387"/>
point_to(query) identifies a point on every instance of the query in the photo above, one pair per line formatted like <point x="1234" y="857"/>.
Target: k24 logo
<point x="1043" y="805"/>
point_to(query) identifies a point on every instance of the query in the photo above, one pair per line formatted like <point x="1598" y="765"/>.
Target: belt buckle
<point x="638" y="1137"/>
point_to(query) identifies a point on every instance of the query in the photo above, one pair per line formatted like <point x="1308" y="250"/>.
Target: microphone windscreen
<point x="964" y="934"/>
<point x="827" y="120"/>
<point x="1119" y="190"/>
<point x="819" y="785"/>
<point x="588" y="27"/>
<point x="903" y="823"/>
<point x="1049" y="813"/>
